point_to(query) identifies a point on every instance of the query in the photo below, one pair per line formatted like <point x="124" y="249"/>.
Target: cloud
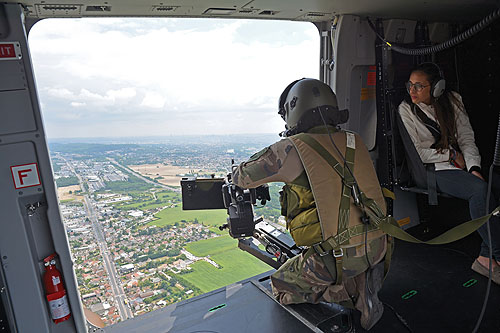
<point x="153" y="100"/>
<point x="130" y="69"/>
<point x="77" y="104"/>
<point x="122" y="94"/>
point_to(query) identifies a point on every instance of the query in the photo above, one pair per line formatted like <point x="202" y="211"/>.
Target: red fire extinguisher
<point x="55" y="292"/>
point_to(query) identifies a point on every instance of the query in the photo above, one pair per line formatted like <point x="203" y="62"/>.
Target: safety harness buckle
<point x="355" y="195"/>
<point x="319" y="250"/>
<point x="338" y="254"/>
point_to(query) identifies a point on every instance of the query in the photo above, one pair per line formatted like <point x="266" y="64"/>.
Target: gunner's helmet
<point x="307" y="103"/>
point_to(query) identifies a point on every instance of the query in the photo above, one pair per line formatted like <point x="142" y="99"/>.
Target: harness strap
<point x="331" y="256"/>
<point x="388" y="193"/>
<point x="391" y="227"/>
<point x="449" y="236"/>
<point x="388" y="254"/>
<point x="347" y="184"/>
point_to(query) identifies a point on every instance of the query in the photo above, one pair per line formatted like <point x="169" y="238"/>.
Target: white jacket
<point x="423" y="139"/>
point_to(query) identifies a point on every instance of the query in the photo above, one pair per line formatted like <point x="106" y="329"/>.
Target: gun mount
<point x="255" y="236"/>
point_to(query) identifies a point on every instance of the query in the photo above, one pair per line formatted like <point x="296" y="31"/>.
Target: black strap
<point x="431" y="125"/>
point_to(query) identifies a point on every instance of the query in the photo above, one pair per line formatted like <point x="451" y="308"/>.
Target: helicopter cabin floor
<point x="431" y="287"/>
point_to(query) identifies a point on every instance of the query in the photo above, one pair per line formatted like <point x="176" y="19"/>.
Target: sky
<point x="114" y="77"/>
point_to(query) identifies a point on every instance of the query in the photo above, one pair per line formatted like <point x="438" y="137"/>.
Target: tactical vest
<point x="322" y="212"/>
<point x="323" y="207"/>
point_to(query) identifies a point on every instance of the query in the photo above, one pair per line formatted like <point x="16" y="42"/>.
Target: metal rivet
<point x="20" y="192"/>
<point x="39" y="189"/>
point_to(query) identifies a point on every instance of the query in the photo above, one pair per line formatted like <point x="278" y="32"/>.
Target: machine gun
<point x="222" y="193"/>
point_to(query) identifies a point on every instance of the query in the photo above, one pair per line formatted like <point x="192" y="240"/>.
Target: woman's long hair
<point x="443" y="106"/>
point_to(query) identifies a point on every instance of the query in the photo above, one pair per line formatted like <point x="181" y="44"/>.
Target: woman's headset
<point x="439" y="84"/>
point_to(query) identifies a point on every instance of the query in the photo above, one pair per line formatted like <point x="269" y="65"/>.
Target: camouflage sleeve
<point x="276" y="163"/>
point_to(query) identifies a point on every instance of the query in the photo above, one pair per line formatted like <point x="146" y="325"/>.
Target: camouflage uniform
<point x="305" y="279"/>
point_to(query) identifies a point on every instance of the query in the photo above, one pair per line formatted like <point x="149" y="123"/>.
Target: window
<point x="133" y="105"/>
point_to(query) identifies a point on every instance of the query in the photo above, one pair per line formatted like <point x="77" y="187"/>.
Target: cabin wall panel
<point x="16" y="112"/>
<point x="354" y="53"/>
<point x="22" y="271"/>
<point x="12" y="76"/>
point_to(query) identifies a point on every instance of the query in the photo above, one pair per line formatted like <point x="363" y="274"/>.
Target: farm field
<point x="64" y="195"/>
<point x="169" y="173"/>
<point x="236" y="264"/>
<point x="172" y="215"/>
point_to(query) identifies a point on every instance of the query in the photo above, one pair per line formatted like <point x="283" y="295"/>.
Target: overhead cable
<point x="445" y="45"/>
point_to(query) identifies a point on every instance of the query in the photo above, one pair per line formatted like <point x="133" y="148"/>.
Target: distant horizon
<point x="155" y="136"/>
<point x="258" y="138"/>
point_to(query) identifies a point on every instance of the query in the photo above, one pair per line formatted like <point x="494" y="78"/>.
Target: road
<point x="116" y="288"/>
<point x="138" y="175"/>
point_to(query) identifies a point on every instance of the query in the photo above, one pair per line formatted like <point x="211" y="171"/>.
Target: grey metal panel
<point x="7" y="322"/>
<point x="354" y="52"/>
<point x="16" y="112"/>
<point x="363" y="106"/>
<point x="35" y="236"/>
<point x="12" y="75"/>
<point x="22" y="273"/>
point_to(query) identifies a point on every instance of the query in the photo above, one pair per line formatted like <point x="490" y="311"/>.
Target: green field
<point x="212" y="246"/>
<point x="176" y="214"/>
<point x="132" y="184"/>
<point x="67" y="181"/>
<point x="236" y="264"/>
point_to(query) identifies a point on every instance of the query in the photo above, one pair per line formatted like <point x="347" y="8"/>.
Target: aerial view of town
<point x="135" y="249"/>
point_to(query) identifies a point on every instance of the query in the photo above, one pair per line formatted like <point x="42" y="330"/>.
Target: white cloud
<point x="191" y="68"/>
<point x="62" y="93"/>
<point x="122" y="94"/>
<point x="153" y="100"/>
<point x="77" y="104"/>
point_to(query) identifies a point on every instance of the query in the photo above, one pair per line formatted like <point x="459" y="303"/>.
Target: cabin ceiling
<point x="295" y="10"/>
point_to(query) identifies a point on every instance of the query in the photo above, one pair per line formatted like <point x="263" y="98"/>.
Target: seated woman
<point x="452" y="149"/>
